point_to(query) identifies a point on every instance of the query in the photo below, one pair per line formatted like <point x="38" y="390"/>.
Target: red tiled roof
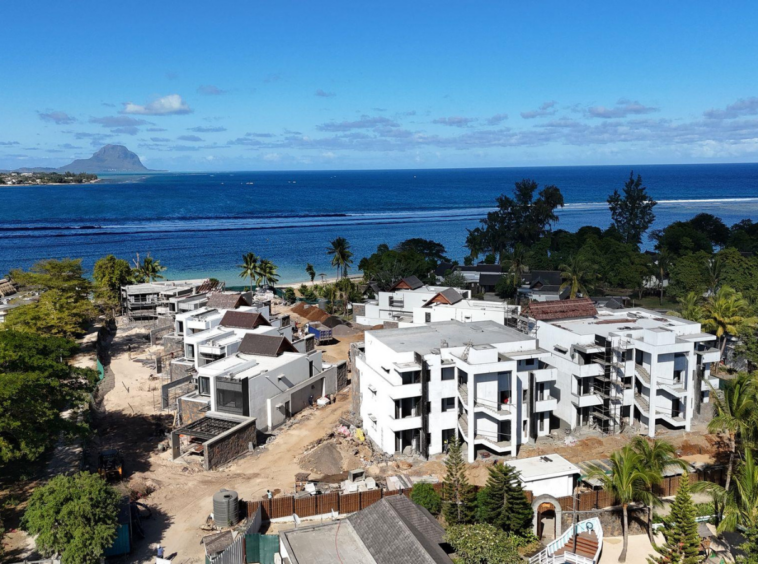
<point x="560" y="309"/>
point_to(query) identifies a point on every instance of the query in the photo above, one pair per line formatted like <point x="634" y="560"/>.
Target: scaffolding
<point x="611" y="384"/>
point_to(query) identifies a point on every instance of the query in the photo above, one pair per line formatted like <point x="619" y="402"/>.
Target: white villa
<point x="397" y="305"/>
<point x="265" y="378"/>
<point x="484" y="382"/>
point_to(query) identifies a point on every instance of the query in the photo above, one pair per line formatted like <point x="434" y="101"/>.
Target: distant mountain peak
<point x="111" y="158"/>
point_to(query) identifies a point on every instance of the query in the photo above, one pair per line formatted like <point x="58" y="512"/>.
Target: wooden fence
<point x="324" y="504"/>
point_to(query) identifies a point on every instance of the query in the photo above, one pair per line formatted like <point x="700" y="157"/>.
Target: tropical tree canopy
<point x="632" y="212"/>
<point x="342" y="256"/>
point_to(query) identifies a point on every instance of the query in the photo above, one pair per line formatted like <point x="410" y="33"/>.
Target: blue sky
<point x="350" y="85"/>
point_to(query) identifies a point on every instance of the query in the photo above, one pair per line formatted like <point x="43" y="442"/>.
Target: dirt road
<point x="181" y="499"/>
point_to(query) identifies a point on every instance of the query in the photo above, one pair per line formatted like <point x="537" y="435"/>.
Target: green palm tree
<point x="267" y="273"/>
<point x="734" y="415"/>
<point x="725" y="313"/>
<point x="657" y="455"/>
<point x="342" y="256"/>
<point x="741" y="503"/>
<point x="576" y="274"/>
<point x="148" y="269"/>
<point x="249" y="268"/>
<point x="630" y="481"/>
<point x="740" y="499"/>
<point x="662" y="266"/>
<point x="310" y="271"/>
<point x="690" y="307"/>
<point x="518" y="264"/>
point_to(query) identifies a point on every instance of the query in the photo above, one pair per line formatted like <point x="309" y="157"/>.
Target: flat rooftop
<point x="455" y="333"/>
<point x="609" y="321"/>
<point x="326" y="544"/>
<point x="542" y="467"/>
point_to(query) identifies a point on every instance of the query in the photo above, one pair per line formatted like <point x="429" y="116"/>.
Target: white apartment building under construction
<point x="623" y="367"/>
<point x="484" y="382"/>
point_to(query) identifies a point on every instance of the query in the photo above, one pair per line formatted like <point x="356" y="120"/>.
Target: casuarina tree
<point x="682" y="544"/>
<point x="458" y="497"/>
<point x="632" y="213"/>
<point x="505" y="505"/>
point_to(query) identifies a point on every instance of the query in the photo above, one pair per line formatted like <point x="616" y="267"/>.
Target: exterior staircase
<point x="589" y="544"/>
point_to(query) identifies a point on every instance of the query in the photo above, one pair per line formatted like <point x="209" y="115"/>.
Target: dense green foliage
<point x="260" y="272"/>
<point x="504" y="504"/>
<point x="426" y="496"/>
<point x="74" y="516"/>
<point x="36" y="385"/>
<point x="682" y="544"/>
<point x="109" y="275"/>
<point x="483" y="544"/>
<point x="458" y="496"/>
<point x="521" y="220"/>
<point x="63" y="308"/>
<point x="386" y="266"/>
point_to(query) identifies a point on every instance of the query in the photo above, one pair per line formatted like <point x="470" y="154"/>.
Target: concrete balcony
<point x="404" y="423"/>
<point x="407" y="391"/>
<point x="587" y="370"/>
<point x="547" y="404"/>
<point x="675" y="389"/>
<point x="586" y="400"/>
<point x="211" y="349"/>
<point x="709" y="355"/>
<point x="713" y="381"/>
<point x="545" y="374"/>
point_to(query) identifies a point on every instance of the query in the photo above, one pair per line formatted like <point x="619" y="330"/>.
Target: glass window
<point x="448" y="404"/>
<point x="204" y="386"/>
<point x="448" y="373"/>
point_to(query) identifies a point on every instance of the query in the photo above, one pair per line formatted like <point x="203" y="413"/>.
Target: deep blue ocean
<point x="199" y="225"/>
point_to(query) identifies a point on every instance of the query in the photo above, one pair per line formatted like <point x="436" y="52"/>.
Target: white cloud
<point x="166" y="106"/>
<point x="272" y="157"/>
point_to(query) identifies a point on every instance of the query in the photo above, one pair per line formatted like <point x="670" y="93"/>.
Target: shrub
<point x="426" y="496"/>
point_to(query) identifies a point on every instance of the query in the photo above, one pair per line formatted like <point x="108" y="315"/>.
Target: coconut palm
<point x="148" y="269"/>
<point x="310" y="271"/>
<point x="690" y="307"/>
<point x="725" y="313"/>
<point x="657" y="455"/>
<point x="740" y="499"/>
<point x="576" y="275"/>
<point x="734" y="415"/>
<point x="342" y="256"/>
<point x="267" y="273"/>
<point x="630" y="481"/>
<point x="662" y="266"/>
<point x="518" y="263"/>
<point x="249" y="268"/>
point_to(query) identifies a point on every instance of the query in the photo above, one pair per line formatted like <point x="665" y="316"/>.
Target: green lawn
<point x="653" y="302"/>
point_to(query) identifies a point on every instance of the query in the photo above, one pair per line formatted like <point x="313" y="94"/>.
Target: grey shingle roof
<point x="452" y="295"/>
<point x="224" y="300"/>
<point x="412" y="282"/>
<point x="265" y="345"/>
<point x="243" y="320"/>
<point x="395" y="530"/>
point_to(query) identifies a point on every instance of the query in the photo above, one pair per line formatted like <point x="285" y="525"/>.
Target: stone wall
<point x="230" y="445"/>
<point x="358" y="310"/>
<point x="190" y="411"/>
<point x="179" y="370"/>
<point x="612" y="520"/>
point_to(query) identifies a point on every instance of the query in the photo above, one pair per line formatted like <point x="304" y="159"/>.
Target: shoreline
<point x="317" y="280"/>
